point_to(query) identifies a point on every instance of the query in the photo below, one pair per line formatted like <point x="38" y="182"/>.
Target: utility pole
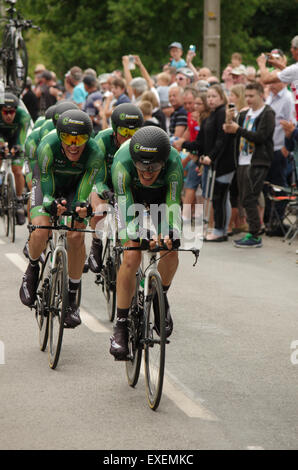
<point x="211" y="40"/>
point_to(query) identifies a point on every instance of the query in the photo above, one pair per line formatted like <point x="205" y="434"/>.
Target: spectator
<point x="239" y="75"/>
<point x="281" y="101"/>
<point x="163" y="82"/>
<point x="172" y="72"/>
<point x="282" y="73"/>
<point x="156" y="111"/>
<point x="178" y="120"/>
<point x="217" y="148"/>
<point x="167" y="110"/>
<point x="204" y="73"/>
<point x="147" y="108"/>
<point x="30" y="100"/>
<point x="94" y="95"/>
<point x="74" y="86"/>
<point x="291" y="140"/>
<point x="184" y="77"/>
<point x="255" y="129"/>
<point x="236" y="60"/>
<point x="44" y="92"/>
<point x="238" y="219"/>
<point x="251" y="73"/>
<point x="39" y="68"/>
<point x="118" y="89"/>
<point x="176" y="52"/>
<point x="138" y="85"/>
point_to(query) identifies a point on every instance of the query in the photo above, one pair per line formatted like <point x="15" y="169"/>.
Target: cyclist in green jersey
<point x="126" y="119"/>
<point x="14" y="124"/>
<point x="69" y="162"/>
<point x="146" y="170"/>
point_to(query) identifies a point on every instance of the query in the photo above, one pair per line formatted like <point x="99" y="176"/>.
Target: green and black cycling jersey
<point x="57" y="175"/>
<point x="106" y="142"/>
<point x="46" y="127"/>
<point x="166" y="190"/>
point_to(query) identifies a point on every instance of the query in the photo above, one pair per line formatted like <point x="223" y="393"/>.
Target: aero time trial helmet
<point x="150" y="148"/>
<point x="60" y="108"/>
<point x="10" y="101"/>
<point x="74" y="126"/>
<point x="125" y="118"/>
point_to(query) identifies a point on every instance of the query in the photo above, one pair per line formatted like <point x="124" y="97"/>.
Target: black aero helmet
<point x="50" y="112"/>
<point x="150" y="144"/>
<point x="127" y="115"/>
<point x="10" y="100"/>
<point x="60" y="108"/>
<point x="74" y="122"/>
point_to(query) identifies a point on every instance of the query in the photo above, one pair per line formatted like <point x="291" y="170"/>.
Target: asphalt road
<point x="231" y="374"/>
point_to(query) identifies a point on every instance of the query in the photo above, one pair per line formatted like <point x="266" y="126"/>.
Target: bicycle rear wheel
<point x="58" y="305"/>
<point x="4" y="210"/>
<point x="154" y="343"/>
<point x="18" y="68"/>
<point x="11" y="208"/>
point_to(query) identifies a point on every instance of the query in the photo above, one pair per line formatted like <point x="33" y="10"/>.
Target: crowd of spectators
<point x="242" y="124"/>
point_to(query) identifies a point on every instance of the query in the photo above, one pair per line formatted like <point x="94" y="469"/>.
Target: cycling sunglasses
<point x="149" y="167"/>
<point x="125" y="132"/>
<point x="77" y="140"/>
<point x="6" y="111"/>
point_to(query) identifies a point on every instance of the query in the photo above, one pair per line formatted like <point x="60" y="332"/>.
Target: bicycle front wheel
<point x="133" y="364"/>
<point x="43" y="301"/>
<point x="155" y="341"/>
<point x="11" y="208"/>
<point x="19" y="67"/>
<point x="109" y="280"/>
<point x="58" y="306"/>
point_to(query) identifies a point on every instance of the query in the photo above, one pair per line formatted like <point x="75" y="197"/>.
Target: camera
<point x="131" y="64"/>
<point x="192" y="48"/>
<point x="231" y="106"/>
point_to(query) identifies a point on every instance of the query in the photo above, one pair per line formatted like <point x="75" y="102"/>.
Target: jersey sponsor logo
<point x="140" y="148"/>
<point x="173" y="190"/>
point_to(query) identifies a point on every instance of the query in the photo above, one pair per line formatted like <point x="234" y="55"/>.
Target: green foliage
<point x="97" y="33"/>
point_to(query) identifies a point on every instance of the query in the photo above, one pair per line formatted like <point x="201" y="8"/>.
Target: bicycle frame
<point x="6" y="169"/>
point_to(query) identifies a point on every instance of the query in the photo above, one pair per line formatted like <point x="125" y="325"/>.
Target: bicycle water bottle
<point x="2" y="91"/>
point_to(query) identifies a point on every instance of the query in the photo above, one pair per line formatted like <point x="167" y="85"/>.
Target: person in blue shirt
<point x="176" y="51"/>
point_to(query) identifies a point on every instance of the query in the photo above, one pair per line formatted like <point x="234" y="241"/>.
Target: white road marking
<point x="89" y="320"/>
<point x="192" y="408"/>
<point x="92" y="323"/>
<point x="2" y="242"/>
<point x="254" y="448"/>
<point x="18" y="261"/>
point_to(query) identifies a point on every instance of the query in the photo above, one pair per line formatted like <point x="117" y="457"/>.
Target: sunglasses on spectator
<point x="149" y="167"/>
<point x="181" y="78"/>
<point x="125" y="132"/>
<point x="8" y="111"/>
<point x="76" y="140"/>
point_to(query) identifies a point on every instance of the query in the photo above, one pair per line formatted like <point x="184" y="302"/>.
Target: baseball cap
<point x="176" y="44"/>
<point x="240" y="70"/>
<point x="186" y="72"/>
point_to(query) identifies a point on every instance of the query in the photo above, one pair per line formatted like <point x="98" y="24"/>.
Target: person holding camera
<point x="255" y="131"/>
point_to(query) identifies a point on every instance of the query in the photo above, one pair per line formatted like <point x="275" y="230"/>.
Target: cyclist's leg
<point x="37" y="244"/>
<point x="76" y="252"/>
<point x="20" y="184"/>
<point x="95" y="256"/>
<point x="126" y="281"/>
<point x="167" y="268"/>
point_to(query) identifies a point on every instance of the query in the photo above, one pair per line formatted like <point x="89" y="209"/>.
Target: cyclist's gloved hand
<point x="107" y="195"/>
<point x="53" y="207"/>
<point x="84" y="205"/>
